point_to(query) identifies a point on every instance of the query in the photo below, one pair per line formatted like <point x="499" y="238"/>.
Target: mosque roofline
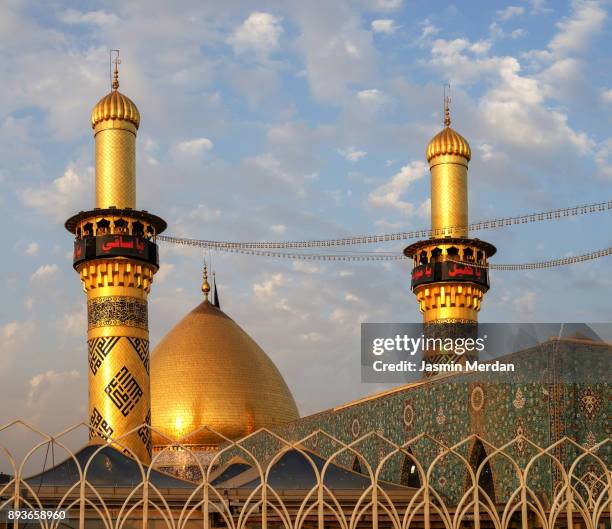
<point x="445" y="376"/>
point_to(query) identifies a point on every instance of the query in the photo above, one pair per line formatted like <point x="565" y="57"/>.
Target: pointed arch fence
<point x="496" y="487"/>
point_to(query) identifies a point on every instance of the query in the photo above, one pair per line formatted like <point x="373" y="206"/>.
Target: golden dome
<point x="448" y="140"/>
<point x="208" y="372"/>
<point x="115" y="106"/>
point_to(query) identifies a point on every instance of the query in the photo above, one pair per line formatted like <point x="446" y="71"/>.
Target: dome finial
<point x="447" y="119"/>
<point x="116" y="61"/>
<point x="205" y="284"/>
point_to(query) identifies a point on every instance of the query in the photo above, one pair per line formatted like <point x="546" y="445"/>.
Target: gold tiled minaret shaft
<point x="450" y="276"/>
<point x="116" y="257"/>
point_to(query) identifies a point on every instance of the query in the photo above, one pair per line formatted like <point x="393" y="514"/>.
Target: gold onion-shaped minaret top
<point x="115" y="106"/>
<point x="448" y="141"/>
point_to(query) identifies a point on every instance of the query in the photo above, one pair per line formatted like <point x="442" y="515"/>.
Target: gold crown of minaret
<point x="448" y="141"/>
<point x="115" y="120"/>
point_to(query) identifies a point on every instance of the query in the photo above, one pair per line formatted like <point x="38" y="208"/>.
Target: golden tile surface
<point x="207" y="371"/>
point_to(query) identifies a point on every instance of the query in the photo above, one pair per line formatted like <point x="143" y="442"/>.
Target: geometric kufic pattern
<point x="141" y="346"/>
<point x="117" y="310"/>
<point x="144" y="432"/>
<point x="124" y="391"/>
<point x="98" y="426"/>
<point x="99" y="349"/>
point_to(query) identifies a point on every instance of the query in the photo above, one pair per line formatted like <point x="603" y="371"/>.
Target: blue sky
<point x="290" y="120"/>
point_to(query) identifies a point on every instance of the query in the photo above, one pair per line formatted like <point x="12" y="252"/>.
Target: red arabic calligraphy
<point x="466" y="270"/>
<point x="422" y="271"/>
<point x="119" y="242"/>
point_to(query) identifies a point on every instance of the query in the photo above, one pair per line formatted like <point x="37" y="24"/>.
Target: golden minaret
<point x="116" y="257"/>
<point x="449" y="277"/>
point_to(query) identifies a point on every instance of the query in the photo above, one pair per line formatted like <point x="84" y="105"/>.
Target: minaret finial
<point x="447" y="119"/>
<point x="205" y="284"/>
<point x="116" y="61"/>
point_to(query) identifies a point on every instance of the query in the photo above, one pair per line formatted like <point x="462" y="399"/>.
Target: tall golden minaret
<point x="116" y="257"/>
<point x="449" y="292"/>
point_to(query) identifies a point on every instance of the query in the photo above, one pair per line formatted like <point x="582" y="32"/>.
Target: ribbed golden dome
<point x="208" y="372"/>
<point x="448" y="141"/>
<point x="115" y="106"/>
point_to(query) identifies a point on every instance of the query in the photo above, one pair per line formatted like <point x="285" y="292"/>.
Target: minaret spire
<point x="205" y="283"/>
<point x="447" y="119"/>
<point x="116" y="62"/>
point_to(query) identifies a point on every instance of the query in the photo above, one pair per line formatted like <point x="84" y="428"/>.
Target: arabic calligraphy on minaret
<point x="116" y="257"/>
<point x="449" y="277"/>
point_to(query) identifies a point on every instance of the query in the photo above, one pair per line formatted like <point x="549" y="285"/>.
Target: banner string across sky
<point x="267" y="249"/>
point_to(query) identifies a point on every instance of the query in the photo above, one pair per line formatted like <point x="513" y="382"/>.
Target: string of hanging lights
<point x="528" y="218"/>
<point x="362" y="257"/>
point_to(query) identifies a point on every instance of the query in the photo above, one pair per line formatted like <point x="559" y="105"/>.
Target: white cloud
<point x="266" y="288"/>
<point x="99" y="18"/>
<point x="63" y="197"/>
<point x="509" y="12"/>
<point x="603" y="158"/>
<point x="389" y="195"/>
<point x="194" y="147"/>
<point x="371" y="96"/>
<point x="278" y="228"/>
<point x="577" y="31"/>
<point x="307" y="268"/>
<point x="524" y="305"/>
<point x="74" y="323"/>
<point x="9" y="330"/>
<point x="291" y="170"/>
<point x="311" y="337"/>
<point x="351" y="297"/>
<point x="44" y="272"/>
<point x="428" y="30"/>
<point x="259" y="33"/>
<point x="606" y="96"/>
<point x="32" y="249"/>
<point x="165" y="269"/>
<point x="384" y="25"/>
<point x="539" y="7"/>
<point x="55" y="390"/>
<point x="338" y="52"/>
<point x="13" y="336"/>
<point x="203" y="212"/>
<point x="351" y="154"/>
<point x="387" y="5"/>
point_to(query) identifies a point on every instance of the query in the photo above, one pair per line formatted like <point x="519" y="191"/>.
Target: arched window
<point x="485" y="481"/>
<point x="409" y="476"/>
<point x="103" y="227"/>
<point x="138" y="229"/>
<point x="121" y="226"/>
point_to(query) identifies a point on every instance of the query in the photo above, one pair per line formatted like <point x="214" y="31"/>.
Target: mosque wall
<point x="561" y="402"/>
